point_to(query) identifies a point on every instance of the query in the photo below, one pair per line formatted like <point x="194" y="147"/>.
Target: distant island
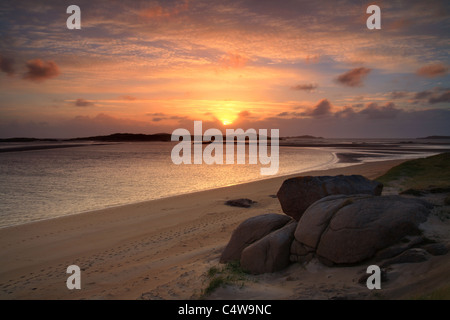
<point x="436" y="137"/>
<point x="125" y="137"/>
<point x="116" y="137"/>
<point x="305" y="137"/>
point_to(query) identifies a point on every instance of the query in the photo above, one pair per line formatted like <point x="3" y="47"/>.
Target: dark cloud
<point x="244" y="114"/>
<point x="158" y="114"/>
<point x="388" y="111"/>
<point x="422" y="95"/>
<point x="7" y="65"/>
<point x="83" y="103"/>
<point x="39" y="70"/>
<point x="178" y="117"/>
<point x="437" y="95"/>
<point x="432" y="70"/>
<point x="398" y="94"/>
<point x="321" y="109"/>
<point x="283" y="114"/>
<point x="346" y="113"/>
<point x="354" y="77"/>
<point x="444" y="97"/>
<point x="305" y="87"/>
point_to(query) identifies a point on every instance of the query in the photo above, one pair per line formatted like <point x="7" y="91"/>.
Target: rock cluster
<point x="340" y="220"/>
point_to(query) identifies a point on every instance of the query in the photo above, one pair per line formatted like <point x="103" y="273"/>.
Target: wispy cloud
<point x="128" y="98"/>
<point x="83" y="103"/>
<point x="305" y="87"/>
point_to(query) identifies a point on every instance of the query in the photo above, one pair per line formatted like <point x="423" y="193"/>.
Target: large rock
<point x="297" y="194"/>
<point x="270" y="253"/>
<point x="249" y="231"/>
<point x="301" y="252"/>
<point x="316" y="221"/>
<point x="349" y="229"/>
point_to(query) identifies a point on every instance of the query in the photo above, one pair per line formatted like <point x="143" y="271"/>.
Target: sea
<point x="48" y="183"/>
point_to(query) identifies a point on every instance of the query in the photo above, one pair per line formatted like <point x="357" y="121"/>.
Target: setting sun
<point x="226" y="122"/>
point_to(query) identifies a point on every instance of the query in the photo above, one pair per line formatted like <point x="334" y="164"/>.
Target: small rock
<point x="243" y="203"/>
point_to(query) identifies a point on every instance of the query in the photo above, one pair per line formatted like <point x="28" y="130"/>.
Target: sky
<point x="303" y="67"/>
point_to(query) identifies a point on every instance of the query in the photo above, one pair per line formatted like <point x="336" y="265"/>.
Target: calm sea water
<point x="49" y="183"/>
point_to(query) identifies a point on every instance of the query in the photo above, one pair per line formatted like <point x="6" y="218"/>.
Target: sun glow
<point x="227" y="122"/>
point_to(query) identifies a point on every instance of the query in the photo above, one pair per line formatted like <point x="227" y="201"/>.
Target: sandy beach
<point x="161" y="249"/>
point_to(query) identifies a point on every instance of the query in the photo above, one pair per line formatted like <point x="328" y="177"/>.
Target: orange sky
<point x="152" y="66"/>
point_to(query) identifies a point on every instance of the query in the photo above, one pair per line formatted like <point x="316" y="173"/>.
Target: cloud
<point x="7" y="65"/>
<point x="388" y="111"/>
<point x="244" y="114"/>
<point x="78" y="126"/>
<point x="321" y="109"/>
<point x="444" y="97"/>
<point x="437" y="95"/>
<point x="39" y="70"/>
<point x="422" y="95"/>
<point x="233" y="60"/>
<point x="158" y="114"/>
<point x="354" y="77"/>
<point x="129" y="98"/>
<point x="83" y="103"/>
<point x="178" y="118"/>
<point x="398" y="94"/>
<point x="432" y="70"/>
<point x="346" y="113"/>
<point x="159" y="11"/>
<point x="305" y="87"/>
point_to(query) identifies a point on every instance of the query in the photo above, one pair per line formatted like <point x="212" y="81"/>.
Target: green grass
<point x="419" y="175"/>
<point x="230" y="273"/>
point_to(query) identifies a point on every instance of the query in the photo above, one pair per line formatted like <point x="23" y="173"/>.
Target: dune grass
<point x="430" y="174"/>
<point x="230" y="273"/>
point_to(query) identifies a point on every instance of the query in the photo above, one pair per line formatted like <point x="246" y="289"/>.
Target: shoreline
<point x="157" y="249"/>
